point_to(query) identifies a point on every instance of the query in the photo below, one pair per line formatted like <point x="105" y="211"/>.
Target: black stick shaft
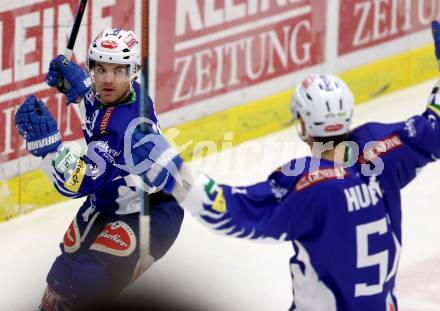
<point x="75" y="29"/>
<point x="145" y="259"/>
<point x="145" y="210"/>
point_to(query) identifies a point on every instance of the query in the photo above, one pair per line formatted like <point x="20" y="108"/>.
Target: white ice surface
<point x="229" y="274"/>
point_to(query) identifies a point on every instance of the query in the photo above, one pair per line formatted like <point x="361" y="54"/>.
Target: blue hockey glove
<point x="435" y="27"/>
<point x="157" y="158"/>
<point x="68" y="78"/>
<point x="37" y="126"/>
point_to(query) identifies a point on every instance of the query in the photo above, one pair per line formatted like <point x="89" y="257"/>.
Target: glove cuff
<point x="43" y="146"/>
<point x="165" y="170"/>
<point x="171" y="180"/>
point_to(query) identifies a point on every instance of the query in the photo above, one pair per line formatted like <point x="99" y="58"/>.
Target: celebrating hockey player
<point x="99" y="253"/>
<point x="342" y="212"/>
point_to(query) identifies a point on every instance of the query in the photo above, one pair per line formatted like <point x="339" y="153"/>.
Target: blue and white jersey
<point x="108" y="188"/>
<point x="344" y="223"/>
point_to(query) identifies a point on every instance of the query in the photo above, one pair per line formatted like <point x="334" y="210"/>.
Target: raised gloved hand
<point x="37" y="126"/>
<point x="151" y="153"/>
<point x="435" y="27"/>
<point x="68" y="78"/>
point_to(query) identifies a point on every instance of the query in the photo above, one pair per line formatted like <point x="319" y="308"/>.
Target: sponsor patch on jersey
<point x="106" y="151"/>
<point x="410" y="128"/>
<point x="65" y="161"/>
<point x="215" y="193"/>
<point x="380" y="148"/>
<point x="89" y="123"/>
<point x="72" y="238"/>
<point x="333" y="127"/>
<point x="130" y="40"/>
<point x="318" y="176"/>
<point x="105" y="120"/>
<point x="109" y="44"/>
<point x="219" y="204"/>
<point x="210" y="188"/>
<point x="278" y="191"/>
<point x="117" y="239"/>
<point x="75" y="180"/>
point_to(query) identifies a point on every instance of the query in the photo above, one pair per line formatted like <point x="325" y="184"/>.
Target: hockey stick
<point x="145" y="258"/>
<point x="68" y="52"/>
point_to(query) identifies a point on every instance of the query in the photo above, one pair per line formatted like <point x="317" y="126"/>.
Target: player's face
<point x="111" y="81"/>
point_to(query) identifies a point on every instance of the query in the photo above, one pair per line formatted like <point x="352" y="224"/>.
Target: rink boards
<point x="207" y="92"/>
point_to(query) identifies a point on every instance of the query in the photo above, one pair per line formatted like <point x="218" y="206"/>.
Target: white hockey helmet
<point x="116" y="46"/>
<point x="325" y="104"/>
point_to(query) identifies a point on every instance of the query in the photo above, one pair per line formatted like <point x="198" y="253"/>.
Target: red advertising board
<point x="31" y="36"/>
<point x="208" y="48"/>
<point x="365" y="23"/>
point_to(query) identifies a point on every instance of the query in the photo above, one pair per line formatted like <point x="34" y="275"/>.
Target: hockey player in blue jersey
<point x="341" y="209"/>
<point x="99" y="253"/>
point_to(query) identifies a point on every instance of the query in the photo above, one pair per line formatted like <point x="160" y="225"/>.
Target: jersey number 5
<point x="365" y="260"/>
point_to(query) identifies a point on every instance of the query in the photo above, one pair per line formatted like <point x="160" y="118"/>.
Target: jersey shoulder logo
<point x="380" y="148"/>
<point x="89" y="123"/>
